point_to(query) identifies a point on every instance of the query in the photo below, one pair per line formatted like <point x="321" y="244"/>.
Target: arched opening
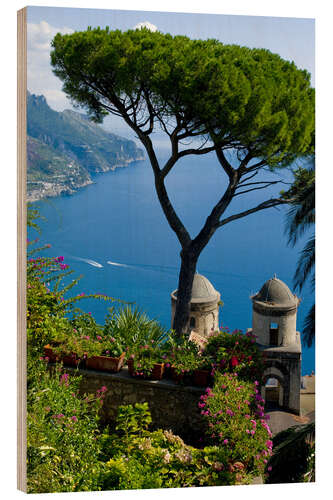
<point x="273" y="393"/>
<point x="192" y="322"/>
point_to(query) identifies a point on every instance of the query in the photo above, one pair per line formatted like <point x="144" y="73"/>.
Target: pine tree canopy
<point x="250" y="100"/>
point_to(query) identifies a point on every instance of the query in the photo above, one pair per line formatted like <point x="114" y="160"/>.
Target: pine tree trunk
<point x="186" y="276"/>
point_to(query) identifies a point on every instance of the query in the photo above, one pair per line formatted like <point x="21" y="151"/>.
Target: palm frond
<point x="306" y="264"/>
<point x="301" y="214"/>
<point x="309" y="326"/>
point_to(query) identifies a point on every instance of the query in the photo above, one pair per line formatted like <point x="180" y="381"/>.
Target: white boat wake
<point x="117" y="264"/>
<point x="89" y="261"/>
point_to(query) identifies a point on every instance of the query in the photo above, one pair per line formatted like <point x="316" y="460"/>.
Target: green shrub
<point x="63" y="441"/>
<point x="159" y="459"/>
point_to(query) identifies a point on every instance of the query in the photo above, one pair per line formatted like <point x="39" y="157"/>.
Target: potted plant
<point x="185" y="358"/>
<point x="235" y="352"/>
<point x="59" y="331"/>
<point x="68" y="351"/>
<point x="105" y="354"/>
<point x="145" y="361"/>
<point x="202" y="374"/>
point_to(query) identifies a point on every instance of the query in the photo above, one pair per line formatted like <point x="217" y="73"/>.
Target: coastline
<point x="52" y="190"/>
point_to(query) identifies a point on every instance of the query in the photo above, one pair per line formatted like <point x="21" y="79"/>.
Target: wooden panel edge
<point x="21" y="247"/>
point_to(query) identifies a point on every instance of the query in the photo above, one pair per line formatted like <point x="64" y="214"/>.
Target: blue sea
<point x="114" y="233"/>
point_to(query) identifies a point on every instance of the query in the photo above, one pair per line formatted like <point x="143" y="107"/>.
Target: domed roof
<point x="202" y="290"/>
<point x="275" y="291"/>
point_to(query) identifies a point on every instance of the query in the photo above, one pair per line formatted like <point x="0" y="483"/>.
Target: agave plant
<point x="133" y="327"/>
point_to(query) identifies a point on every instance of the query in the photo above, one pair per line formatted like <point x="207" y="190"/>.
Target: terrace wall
<point x="172" y="406"/>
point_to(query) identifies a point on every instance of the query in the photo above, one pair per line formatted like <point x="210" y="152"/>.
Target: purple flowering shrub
<point x="234" y="412"/>
<point x="50" y="315"/>
<point x="62" y="432"/>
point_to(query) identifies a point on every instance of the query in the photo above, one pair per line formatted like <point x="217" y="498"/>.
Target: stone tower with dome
<point x="274" y="323"/>
<point x="204" y="309"/>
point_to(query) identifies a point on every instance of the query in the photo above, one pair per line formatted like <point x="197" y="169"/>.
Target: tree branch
<point x="230" y="171"/>
<point x="266" y="184"/>
<point x="266" y="204"/>
<point x="248" y="178"/>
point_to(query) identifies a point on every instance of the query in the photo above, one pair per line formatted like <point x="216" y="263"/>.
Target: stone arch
<point x="281" y="376"/>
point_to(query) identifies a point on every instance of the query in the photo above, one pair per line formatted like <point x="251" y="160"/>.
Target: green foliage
<point x="62" y="433"/>
<point x="160" y="459"/>
<point x="300" y="219"/>
<point x="51" y="317"/>
<point x="256" y="99"/>
<point x="144" y="357"/>
<point x="184" y="356"/>
<point x="235" y="418"/>
<point x="133" y="328"/>
<point x="235" y="353"/>
<point x="293" y="460"/>
<point x="33" y="215"/>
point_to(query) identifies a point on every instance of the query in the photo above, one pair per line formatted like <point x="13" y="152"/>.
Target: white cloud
<point x="146" y="24"/>
<point x="40" y="77"/>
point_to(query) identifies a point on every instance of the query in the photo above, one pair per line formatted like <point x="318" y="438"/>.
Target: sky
<point x="292" y="38"/>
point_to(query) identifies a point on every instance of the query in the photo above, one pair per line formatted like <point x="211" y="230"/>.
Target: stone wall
<point x="172" y="406"/>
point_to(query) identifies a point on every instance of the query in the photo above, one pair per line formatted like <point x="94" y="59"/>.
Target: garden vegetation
<point x="68" y="448"/>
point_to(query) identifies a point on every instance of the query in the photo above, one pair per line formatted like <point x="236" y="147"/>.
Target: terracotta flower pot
<point x="71" y="360"/>
<point x="49" y="353"/>
<point x="176" y="377"/>
<point x="200" y="378"/>
<point x="130" y="365"/>
<point x="105" y="363"/>
<point x="156" y="374"/>
<point x="158" y="371"/>
<point x="167" y="371"/>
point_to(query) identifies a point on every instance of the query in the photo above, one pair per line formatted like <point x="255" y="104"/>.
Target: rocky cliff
<point x="64" y="148"/>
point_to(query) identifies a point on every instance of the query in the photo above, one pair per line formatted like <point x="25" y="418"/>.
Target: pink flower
<point x="74" y="418"/>
<point x="225" y="441"/>
<point x="99" y="337"/>
<point x="64" y="379"/>
<point x="234" y="361"/>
